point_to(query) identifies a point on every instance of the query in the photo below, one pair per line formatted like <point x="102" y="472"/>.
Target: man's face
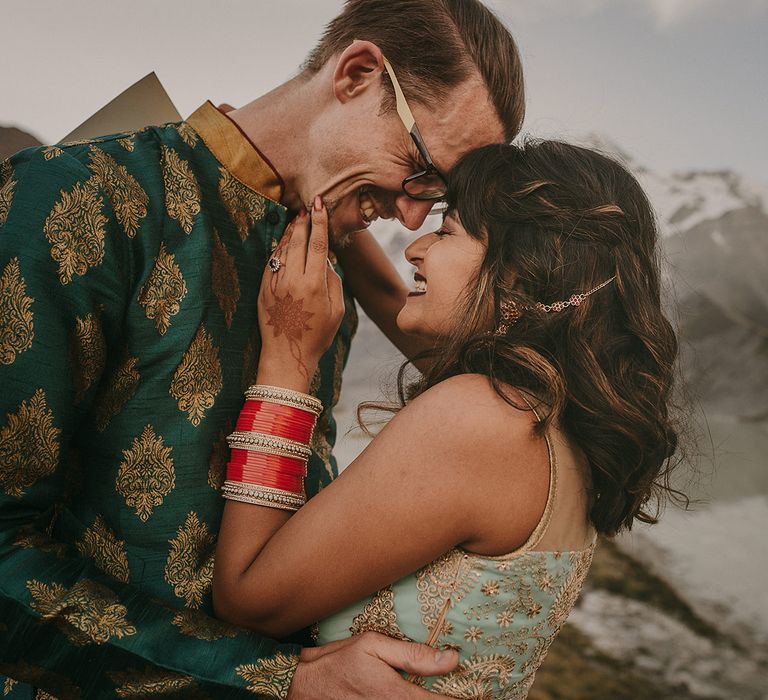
<point x="364" y="167"/>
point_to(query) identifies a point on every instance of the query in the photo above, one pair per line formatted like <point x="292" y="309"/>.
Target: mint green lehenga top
<point x="501" y="613"/>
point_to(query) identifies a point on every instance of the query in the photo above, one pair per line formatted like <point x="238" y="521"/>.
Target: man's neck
<point x="278" y="124"/>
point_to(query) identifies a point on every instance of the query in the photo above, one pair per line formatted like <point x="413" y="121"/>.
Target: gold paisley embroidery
<point x="29" y="446"/>
<point x="188" y="134"/>
<point x="566" y="598"/>
<point x="127" y="143"/>
<point x="8" y="686"/>
<point x="16" y="317"/>
<point x="75" y="229"/>
<point x="128" y="199"/>
<point x="115" y="392"/>
<point x="243" y="205"/>
<point x="189" y="567"/>
<point x="23" y="672"/>
<point x="182" y="193"/>
<point x="217" y="463"/>
<point x="203" y="627"/>
<point x="7" y="185"/>
<point x="87" y="613"/>
<point x="475" y="677"/>
<point x="378" y="616"/>
<point x="31" y="538"/>
<point x="224" y="280"/>
<point x="42" y="695"/>
<point x="100" y="544"/>
<point x="146" y="474"/>
<point x="448" y="578"/>
<point x="197" y="380"/>
<point x="151" y="682"/>
<point x="163" y="291"/>
<point x="88" y="352"/>
<point x="271" y="676"/>
<point x="51" y="152"/>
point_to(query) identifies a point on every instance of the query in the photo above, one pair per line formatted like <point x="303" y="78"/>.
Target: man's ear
<point x="358" y="68"/>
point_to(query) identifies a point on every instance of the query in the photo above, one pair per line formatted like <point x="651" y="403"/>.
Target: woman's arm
<point x="433" y="478"/>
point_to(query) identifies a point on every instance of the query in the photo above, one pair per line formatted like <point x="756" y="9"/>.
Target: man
<point x="129" y="268"/>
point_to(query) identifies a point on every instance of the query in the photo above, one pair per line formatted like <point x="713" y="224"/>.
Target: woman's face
<point x="446" y="261"/>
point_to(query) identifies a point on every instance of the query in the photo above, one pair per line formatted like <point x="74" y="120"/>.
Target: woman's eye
<point x="442" y="232"/>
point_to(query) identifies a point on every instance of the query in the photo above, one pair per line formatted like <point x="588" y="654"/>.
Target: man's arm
<point x="379" y="289"/>
<point x="65" y="625"/>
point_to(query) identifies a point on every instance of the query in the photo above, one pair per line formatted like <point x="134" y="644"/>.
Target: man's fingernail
<point x="318" y="203"/>
<point x="442" y="656"/>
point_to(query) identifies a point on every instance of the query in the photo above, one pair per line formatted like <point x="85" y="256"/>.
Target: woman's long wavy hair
<point x="558" y="220"/>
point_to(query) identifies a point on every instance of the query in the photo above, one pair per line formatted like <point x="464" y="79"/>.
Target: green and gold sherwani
<point x="129" y="272"/>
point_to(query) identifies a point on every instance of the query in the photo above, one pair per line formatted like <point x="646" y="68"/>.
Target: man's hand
<point x="364" y="666"/>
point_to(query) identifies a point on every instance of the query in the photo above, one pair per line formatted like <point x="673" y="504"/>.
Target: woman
<point x="540" y="420"/>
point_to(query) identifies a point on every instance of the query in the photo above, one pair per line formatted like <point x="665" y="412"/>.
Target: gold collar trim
<point x="235" y="151"/>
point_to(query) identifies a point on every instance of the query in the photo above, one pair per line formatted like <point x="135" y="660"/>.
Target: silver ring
<point x="275" y="263"/>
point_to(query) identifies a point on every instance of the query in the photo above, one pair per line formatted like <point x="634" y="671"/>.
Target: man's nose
<point x="411" y="213"/>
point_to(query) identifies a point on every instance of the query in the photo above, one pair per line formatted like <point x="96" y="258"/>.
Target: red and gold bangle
<point x="278" y="420"/>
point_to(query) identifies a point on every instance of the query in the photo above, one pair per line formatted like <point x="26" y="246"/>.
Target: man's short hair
<point x="433" y="46"/>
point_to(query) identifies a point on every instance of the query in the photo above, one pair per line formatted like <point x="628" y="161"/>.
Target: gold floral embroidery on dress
<point x="88" y="353"/>
<point x="30" y="537"/>
<point x="152" y="682"/>
<point x="189" y="567"/>
<point x="146" y="474"/>
<point x="203" y="627"/>
<point x="7" y="185"/>
<point x="128" y="199"/>
<point x="51" y="152"/>
<point x="42" y="695"/>
<point x="182" y="193"/>
<point x="127" y="143"/>
<point x="566" y="598"/>
<point x="475" y="677"/>
<point x="115" y="392"/>
<point x="224" y="280"/>
<point x="271" y="676"/>
<point x="100" y="544"/>
<point x="8" y="686"/>
<point x="378" y="616"/>
<point x="188" y="134"/>
<point x="75" y="229"/>
<point x="163" y="291"/>
<point x="197" y="380"/>
<point x="23" y="672"/>
<point x="29" y="446"/>
<point x="16" y="318"/>
<point x="448" y="578"/>
<point x="217" y="462"/>
<point x="243" y="205"/>
<point x="87" y="613"/>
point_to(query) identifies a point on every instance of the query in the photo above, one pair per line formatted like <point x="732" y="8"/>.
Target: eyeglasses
<point x="427" y="184"/>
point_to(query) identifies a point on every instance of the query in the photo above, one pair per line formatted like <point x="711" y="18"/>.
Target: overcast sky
<point x="678" y="84"/>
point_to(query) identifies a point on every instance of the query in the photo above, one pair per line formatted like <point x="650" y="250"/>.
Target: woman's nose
<point x="414" y="253"/>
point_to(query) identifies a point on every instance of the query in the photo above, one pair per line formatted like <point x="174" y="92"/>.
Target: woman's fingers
<point x="317" y="252"/>
<point x="297" y="245"/>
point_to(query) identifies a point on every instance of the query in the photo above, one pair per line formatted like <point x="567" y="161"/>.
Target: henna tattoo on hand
<point x="287" y="317"/>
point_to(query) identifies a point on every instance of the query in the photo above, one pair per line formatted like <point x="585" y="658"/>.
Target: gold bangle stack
<point x="268" y="444"/>
<point x="262" y="495"/>
<point x="286" y="397"/>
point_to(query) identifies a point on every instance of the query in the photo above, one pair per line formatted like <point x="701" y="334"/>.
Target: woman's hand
<point x="301" y="303"/>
